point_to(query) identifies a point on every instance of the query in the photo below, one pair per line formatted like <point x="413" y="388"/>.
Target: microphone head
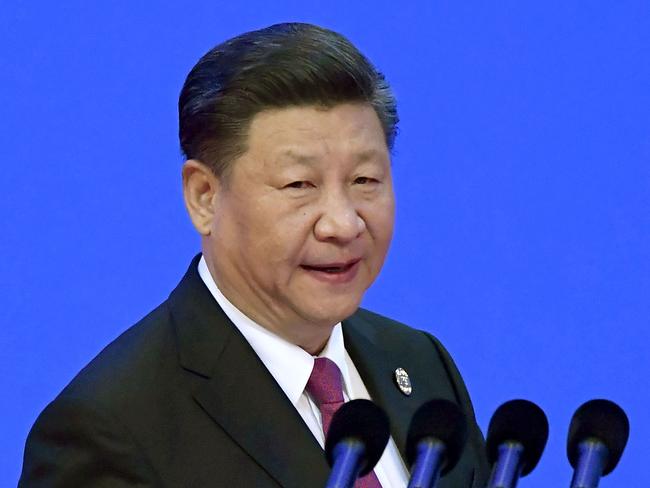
<point x="444" y="421"/>
<point x="518" y="421"/>
<point x="601" y="420"/>
<point x="363" y="421"/>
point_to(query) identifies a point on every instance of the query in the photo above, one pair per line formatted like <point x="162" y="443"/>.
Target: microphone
<point x="516" y="439"/>
<point x="355" y="441"/>
<point x="435" y="441"/>
<point x="597" y="436"/>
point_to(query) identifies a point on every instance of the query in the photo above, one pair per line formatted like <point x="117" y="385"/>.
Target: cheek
<point x="380" y="218"/>
<point x="282" y="235"/>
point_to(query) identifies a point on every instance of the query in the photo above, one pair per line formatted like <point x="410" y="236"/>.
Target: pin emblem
<point x="403" y="381"/>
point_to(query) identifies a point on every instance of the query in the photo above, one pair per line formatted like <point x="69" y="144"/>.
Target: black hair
<point x="290" y="64"/>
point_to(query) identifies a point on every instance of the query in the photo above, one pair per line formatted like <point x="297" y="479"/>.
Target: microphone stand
<point x="593" y="455"/>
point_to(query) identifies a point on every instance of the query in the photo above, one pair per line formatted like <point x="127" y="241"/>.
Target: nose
<point x="339" y="220"/>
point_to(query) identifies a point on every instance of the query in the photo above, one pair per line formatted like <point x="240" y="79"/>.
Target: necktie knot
<point x="325" y="385"/>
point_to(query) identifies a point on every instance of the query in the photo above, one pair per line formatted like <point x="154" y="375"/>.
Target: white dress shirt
<point x="291" y="367"/>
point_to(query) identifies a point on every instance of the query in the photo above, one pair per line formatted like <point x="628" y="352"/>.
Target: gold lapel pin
<point x="403" y="381"/>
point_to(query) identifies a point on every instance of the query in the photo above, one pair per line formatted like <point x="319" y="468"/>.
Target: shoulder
<point x="367" y="320"/>
<point x="394" y="333"/>
<point x="427" y="357"/>
<point x="130" y="367"/>
<point x="99" y="414"/>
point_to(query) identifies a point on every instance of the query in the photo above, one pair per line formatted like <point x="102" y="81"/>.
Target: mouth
<point x="339" y="272"/>
<point x="331" y="268"/>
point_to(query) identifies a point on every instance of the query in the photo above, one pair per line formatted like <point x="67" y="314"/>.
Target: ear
<point x="200" y="186"/>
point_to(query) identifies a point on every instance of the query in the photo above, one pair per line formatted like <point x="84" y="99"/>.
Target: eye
<point x="364" y="180"/>
<point x="299" y="185"/>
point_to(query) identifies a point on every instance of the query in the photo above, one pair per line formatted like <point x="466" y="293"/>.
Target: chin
<point x="334" y="312"/>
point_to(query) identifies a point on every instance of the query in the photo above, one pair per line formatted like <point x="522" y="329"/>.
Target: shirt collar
<point x="289" y="365"/>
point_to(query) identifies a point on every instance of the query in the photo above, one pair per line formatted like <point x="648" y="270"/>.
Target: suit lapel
<point x="376" y="358"/>
<point x="239" y="393"/>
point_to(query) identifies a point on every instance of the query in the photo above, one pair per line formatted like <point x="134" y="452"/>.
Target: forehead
<point x="309" y="131"/>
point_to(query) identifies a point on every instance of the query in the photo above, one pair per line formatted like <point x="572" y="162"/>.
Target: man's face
<point x="302" y="227"/>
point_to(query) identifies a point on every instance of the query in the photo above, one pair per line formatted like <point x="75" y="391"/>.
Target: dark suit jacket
<point x="181" y="399"/>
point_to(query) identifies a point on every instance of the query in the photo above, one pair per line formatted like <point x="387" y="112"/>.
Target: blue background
<point x="522" y="173"/>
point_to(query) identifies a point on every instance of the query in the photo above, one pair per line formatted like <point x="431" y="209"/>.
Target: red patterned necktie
<point x="325" y="388"/>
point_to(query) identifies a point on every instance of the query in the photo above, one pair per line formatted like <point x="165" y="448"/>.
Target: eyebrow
<point x="297" y="157"/>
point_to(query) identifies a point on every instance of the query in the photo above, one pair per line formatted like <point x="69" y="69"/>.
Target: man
<point x="287" y="133"/>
